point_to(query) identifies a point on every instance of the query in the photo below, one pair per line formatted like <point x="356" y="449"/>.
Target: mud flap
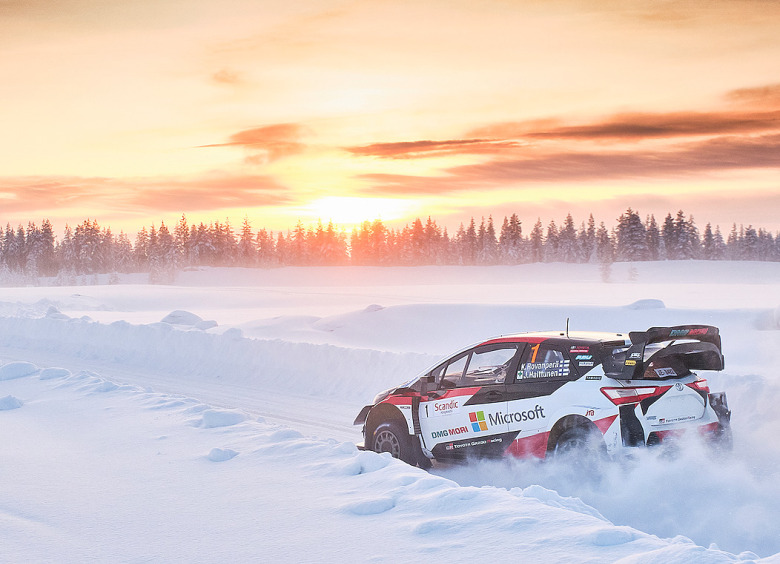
<point x="422" y="460"/>
<point x="720" y="406"/>
<point x="722" y="438"/>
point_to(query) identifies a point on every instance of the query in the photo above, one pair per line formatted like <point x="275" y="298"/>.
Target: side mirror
<point x="425" y="384"/>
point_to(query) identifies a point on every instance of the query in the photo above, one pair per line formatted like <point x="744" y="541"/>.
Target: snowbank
<point x="263" y="492"/>
<point x="296" y="353"/>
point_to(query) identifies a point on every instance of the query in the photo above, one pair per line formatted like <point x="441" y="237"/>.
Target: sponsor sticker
<point x="556" y="369"/>
<point x="594" y="377"/>
<point x="449" y="432"/>
<point x="477" y="419"/>
<point x="579" y="349"/>
<point x="476" y="442"/>
<point x="516" y="416"/>
<point x="584" y="364"/>
<point x="445" y="407"/>
<point x="630" y="363"/>
<point x="685" y="332"/>
<point x="677" y="419"/>
<point x="584" y="357"/>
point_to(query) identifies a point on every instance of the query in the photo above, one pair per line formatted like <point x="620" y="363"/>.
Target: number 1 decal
<point x="536" y="350"/>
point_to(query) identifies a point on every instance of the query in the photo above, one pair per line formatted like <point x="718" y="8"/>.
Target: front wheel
<point x="391" y="437"/>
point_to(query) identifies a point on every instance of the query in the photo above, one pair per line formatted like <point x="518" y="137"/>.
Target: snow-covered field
<point x="211" y="420"/>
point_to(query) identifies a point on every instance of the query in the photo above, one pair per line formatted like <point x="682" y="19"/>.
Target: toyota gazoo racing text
<point x="542" y="394"/>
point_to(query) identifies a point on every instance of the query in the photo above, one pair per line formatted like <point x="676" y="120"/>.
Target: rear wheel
<point x="391" y="437"/>
<point x="582" y="444"/>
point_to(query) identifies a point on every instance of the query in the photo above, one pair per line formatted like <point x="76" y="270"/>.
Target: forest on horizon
<point x="32" y="252"/>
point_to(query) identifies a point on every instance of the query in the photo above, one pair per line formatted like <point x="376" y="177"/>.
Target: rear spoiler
<point x="700" y="350"/>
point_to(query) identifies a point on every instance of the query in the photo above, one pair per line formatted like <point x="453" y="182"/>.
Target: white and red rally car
<point x="537" y="394"/>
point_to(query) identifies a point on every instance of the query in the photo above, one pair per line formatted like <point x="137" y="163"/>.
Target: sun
<point x="350" y="210"/>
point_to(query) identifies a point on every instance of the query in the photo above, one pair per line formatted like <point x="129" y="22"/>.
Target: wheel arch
<point x="381" y="413"/>
<point x="566" y="423"/>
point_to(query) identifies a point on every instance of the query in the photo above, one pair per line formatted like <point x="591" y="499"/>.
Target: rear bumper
<point x="712" y="425"/>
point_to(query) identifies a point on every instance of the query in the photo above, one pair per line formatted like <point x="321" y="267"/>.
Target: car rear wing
<point x="696" y="347"/>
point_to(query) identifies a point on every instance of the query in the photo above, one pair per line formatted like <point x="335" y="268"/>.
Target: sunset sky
<point x="134" y="112"/>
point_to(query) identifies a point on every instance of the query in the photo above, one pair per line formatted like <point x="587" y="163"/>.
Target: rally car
<point x="549" y="393"/>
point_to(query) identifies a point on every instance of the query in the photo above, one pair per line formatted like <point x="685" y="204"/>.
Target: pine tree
<point x="653" y="239"/>
<point x="551" y="242"/>
<point x="708" y="243"/>
<point x="124" y="253"/>
<point x="141" y="250"/>
<point x="181" y="240"/>
<point x="631" y="238"/>
<point x="750" y="244"/>
<point x="719" y="247"/>
<point x="48" y="264"/>
<point x="510" y="241"/>
<point x="670" y="238"/>
<point x="567" y="241"/>
<point x="536" y="242"/>
<point x="605" y="251"/>
<point x="247" y="255"/>
<point x="265" y="248"/>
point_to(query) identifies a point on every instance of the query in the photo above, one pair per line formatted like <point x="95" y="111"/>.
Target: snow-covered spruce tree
<point x="487" y="244"/>
<point x="568" y="246"/>
<point x="631" y="243"/>
<point x="510" y="242"/>
<point x="551" y="243"/>
<point x="653" y="238"/>
<point x="536" y="242"/>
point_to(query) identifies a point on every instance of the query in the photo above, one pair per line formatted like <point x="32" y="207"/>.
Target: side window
<point x="454" y="371"/>
<point x="489" y="365"/>
<point x="543" y="362"/>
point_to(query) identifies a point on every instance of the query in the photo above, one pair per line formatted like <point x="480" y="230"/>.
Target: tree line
<point x="31" y="252"/>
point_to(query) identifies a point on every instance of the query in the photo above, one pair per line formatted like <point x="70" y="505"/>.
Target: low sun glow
<point x="350" y="210"/>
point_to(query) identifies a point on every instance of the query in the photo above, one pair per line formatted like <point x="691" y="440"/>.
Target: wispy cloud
<point x="756" y="112"/>
<point x="204" y="193"/>
<point x="641" y="126"/>
<point x="427" y="148"/>
<point x="227" y="77"/>
<point x="746" y="135"/>
<point x="768" y="95"/>
<point x="274" y="141"/>
<point x="728" y="153"/>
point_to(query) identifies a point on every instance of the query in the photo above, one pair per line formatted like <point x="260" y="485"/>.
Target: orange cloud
<point x="205" y="193"/>
<point x="639" y="126"/>
<point x="727" y="153"/>
<point x="225" y="76"/>
<point x="768" y="95"/>
<point x="415" y="149"/>
<point x="275" y="141"/>
<point x="508" y="137"/>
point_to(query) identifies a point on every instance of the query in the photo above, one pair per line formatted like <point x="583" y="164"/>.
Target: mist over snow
<point x="211" y="420"/>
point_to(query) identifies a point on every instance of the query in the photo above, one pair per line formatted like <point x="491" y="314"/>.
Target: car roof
<point x="583" y="337"/>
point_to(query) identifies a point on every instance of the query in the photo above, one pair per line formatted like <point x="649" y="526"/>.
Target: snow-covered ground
<point x="211" y="420"/>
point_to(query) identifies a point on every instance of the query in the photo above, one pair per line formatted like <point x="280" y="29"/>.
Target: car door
<point x="463" y="416"/>
<point x="543" y="369"/>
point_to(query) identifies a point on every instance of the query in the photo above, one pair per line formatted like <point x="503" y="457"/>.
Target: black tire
<point x="580" y="444"/>
<point x="391" y="437"/>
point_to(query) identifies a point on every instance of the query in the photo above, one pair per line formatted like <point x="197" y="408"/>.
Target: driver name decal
<point x="556" y="369"/>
